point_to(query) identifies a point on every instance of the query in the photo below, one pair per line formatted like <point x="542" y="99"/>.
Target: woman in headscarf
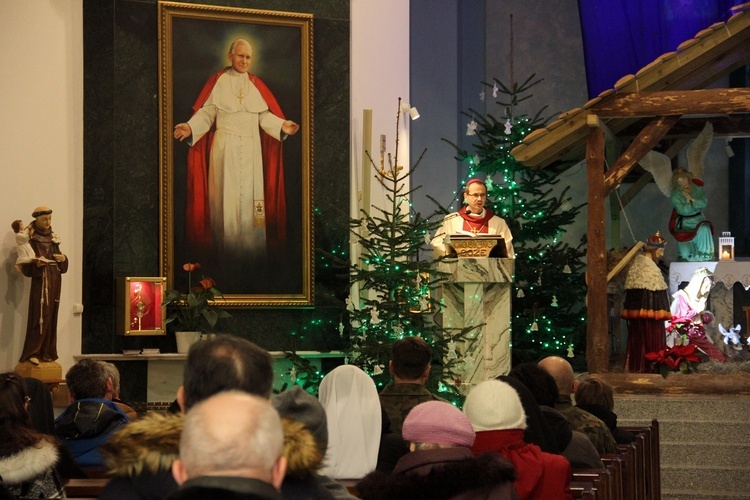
<point x="352" y="407"/>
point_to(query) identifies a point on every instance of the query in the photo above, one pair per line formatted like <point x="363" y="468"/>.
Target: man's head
<point x="232" y="434"/>
<point x="411" y="360"/>
<point x="42" y="217"/>
<point x="562" y="372"/>
<point x="475" y="196"/>
<point x="240" y="55"/>
<point x="655" y="245"/>
<point x="88" y="379"/>
<point x="114" y="375"/>
<point x="225" y="363"/>
<point x="436" y="424"/>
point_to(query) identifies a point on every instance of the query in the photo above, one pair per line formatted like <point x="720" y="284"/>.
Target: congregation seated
<point x="583" y="421"/>
<point x="223" y="363"/>
<point x="496" y="414"/>
<point x="29" y="459"/>
<point x="575" y="445"/>
<point x="91" y="417"/>
<point x="596" y="396"/>
<point x="440" y="463"/>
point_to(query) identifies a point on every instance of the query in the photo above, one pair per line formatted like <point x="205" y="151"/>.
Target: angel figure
<point x="688" y="225"/>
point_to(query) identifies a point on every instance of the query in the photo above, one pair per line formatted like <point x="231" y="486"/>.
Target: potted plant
<point x="195" y="312"/>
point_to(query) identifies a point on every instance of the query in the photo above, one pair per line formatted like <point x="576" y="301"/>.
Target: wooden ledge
<point x="679" y="384"/>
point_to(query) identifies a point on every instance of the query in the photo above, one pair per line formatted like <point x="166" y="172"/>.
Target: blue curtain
<point x="622" y="36"/>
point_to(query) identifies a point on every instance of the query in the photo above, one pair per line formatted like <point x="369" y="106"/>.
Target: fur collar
<point x="302" y="452"/>
<point x="146" y="445"/>
<point x="28" y="463"/>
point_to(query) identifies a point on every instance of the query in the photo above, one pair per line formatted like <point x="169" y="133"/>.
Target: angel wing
<point x="660" y="166"/>
<point x="698" y="149"/>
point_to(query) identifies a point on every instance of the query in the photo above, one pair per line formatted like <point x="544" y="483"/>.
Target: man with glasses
<point x="473" y="219"/>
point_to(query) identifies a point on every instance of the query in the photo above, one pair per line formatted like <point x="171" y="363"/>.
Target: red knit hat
<point x="437" y="422"/>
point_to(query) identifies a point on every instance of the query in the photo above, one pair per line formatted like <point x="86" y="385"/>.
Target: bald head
<point x="562" y="372"/>
<point x="214" y="429"/>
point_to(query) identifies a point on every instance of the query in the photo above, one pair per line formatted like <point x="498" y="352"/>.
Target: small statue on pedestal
<point x="45" y="266"/>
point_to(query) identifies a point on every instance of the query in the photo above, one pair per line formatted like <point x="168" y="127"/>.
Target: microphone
<point x="468" y="210"/>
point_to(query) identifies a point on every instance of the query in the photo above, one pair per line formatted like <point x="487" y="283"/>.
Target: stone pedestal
<point x="478" y="291"/>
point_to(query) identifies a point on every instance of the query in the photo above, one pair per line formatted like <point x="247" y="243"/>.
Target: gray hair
<point x="240" y="41"/>
<point x="231" y="431"/>
<point x="114" y="374"/>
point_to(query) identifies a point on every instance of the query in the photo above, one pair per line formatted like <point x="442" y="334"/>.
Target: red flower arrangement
<point x="192" y="311"/>
<point x="680" y="358"/>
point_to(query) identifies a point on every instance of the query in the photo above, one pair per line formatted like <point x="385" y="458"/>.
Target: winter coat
<point x="610" y="418"/>
<point x="540" y="475"/>
<point x="139" y="458"/>
<point x="85" y="425"/>
<point x="442" y="473"/>
<point x="576" y="446"/>
<point x="31" y="472"/>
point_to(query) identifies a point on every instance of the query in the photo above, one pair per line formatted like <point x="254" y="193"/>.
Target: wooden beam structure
<point x="643" y="143"/>
<point x="667" y="91"/>
<point x="675" y="102"/>
<point x="597" y="339"/>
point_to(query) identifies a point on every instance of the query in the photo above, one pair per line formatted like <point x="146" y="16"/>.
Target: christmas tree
<point x="393" y="281"/>
<point x="548" y="312"/>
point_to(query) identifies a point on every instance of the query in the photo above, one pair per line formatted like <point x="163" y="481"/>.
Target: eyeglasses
<point x="476" y="196"/>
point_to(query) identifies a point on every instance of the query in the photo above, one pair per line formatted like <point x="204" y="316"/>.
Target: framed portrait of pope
<point x="236" y="151"/>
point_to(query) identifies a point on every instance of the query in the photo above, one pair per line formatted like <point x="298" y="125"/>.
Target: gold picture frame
<point x="139" y="309"/>
<point x="194" y="42"/>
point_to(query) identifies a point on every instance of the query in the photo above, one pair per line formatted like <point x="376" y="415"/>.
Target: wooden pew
<point x="616" y="463"/>
<point x="601" y="479"/>
<point x="636" y="448"/>
<point x="85" y="488"/>
<point x="627" y="453"/>
<point x="583" y="489"/>
<point x="650" y="437"/>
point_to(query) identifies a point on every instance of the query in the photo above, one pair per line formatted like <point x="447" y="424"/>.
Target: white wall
<point x="41" y="139"/>
<point x="379" y="76"/>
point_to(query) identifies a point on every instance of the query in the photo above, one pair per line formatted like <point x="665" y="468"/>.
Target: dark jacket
<point x="225" y="488"/>
<point x="85" y="425"/>
<point x="585" y="422"/>
<point x="610" y="418"/>
<point x="443" y="473"/>
<point x="304" y="459"/>
<point x="397" y="400"/>
<point x="139" y="458"/>
<point x="576" y="446"/>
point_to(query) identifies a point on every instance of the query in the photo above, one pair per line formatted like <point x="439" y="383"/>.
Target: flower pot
<point x="185" y="340"/>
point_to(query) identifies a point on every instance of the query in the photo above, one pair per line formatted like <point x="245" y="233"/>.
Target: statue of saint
<point x="45" y="269"/>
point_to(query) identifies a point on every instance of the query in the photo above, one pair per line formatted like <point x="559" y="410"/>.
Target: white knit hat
<point x="494" y="405"/>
